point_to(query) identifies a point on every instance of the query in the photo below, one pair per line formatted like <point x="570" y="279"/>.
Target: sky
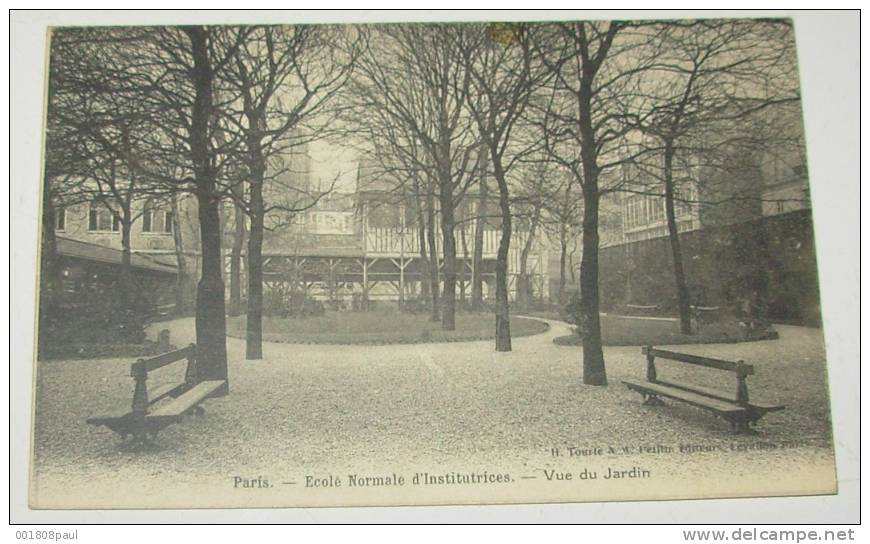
<point x="330" y="159"/>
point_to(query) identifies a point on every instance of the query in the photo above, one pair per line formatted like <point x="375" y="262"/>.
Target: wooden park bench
<point x="704" y="315"/>
<point x="644" y="308"/>
<point x="152" y="410"/>
<point x="736" y="408"/>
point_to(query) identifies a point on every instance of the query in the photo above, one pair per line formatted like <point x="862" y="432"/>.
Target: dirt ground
<point x="438" y="414"/>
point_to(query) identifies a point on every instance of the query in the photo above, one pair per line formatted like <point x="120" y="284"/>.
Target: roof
<point x="77" y="249"/>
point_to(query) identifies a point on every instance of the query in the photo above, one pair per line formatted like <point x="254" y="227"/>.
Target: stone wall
<point x="773" y="257"/>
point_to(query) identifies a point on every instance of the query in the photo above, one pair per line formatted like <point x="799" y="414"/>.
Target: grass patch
<point x="381" y="327"/>
<point x="633" y="331"/>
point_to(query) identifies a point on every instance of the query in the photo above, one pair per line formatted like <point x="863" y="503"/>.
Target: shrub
<point x="415" y="305"/>
<point x="285" y="303"/>
<point x="311" y="308"/>
<point x="572" y="309"/>
<point x="534" y="305"/>
<point x="95" y="321"/>
<point x="275" y="303"/>
<point x="487" y="306"/>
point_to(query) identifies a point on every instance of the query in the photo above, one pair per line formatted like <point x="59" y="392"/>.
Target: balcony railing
<point x="387" y="241"/>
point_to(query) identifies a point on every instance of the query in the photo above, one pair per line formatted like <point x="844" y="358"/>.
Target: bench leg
<point x="139" y="441"/>
<point x="137" y="430"/>
<point x="121" y="427"/>
<point x="740" y="425"/>
<point x="652" y="400"/>
<point x="754" y="415"/>
<point x="144" y="436"/>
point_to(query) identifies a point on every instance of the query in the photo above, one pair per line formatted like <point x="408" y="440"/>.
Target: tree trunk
<point x="594" y="372"/>
<point x="210" y="307"/>
<point x="434" y="281"/>
<point x="126" y="287"/>
<point x="236" y="254"/>
<point x="502" y="304"/>
<point x="182" y="300"/>
<point x="463" y="275"/>
<point x="629" y="274"/>
<point x="571" y="267"/>
<point x="254" y="346"/>
<point x="448" y="298"/>
<point x="403" y="230"/>
<point x="421" y="237"/>
<point x="479" y="231"/>
<point x="674" y="238"/>
<point x="211" y="327"/>
<point x="563" y="257"/>
<point x="125" y="283"/>
<point x="523" y="280"/>
<point x="424" y="282"/>
<point x="49" y="274"/>
<point x="48" y="269"/>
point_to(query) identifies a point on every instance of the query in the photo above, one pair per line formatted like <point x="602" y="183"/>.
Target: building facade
<point x="329" y="243"/>
<point x="768" y="184"/>
<point x="368" y="242"/>
<point x="745" y="230"/>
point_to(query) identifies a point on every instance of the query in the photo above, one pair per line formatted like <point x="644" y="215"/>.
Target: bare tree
<point x="584" y="130"/>
<point x="182" y="297"/>
<point x="65" y="168"/>
<point x="285" y="76"/>
<point x="504" y="78"/>
<point x="170" y="73"/>
<point x="411" y="74"/>
<point x="703" y="75"/>
<point x="65" y="160"/>
<point x="530" y="200"/>
<point x="200" y="134"/>
<point x="240" y="230"/>
<point x="117" y="189"/>
<point x="105" y="128"/>
<point x="397" y="164"/>
<point x="480" y="223"/>
<point x="562" y="210"/>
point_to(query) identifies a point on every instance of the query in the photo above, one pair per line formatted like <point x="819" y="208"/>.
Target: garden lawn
<point x="381" y="327"/>
<point x="618" y="330"/>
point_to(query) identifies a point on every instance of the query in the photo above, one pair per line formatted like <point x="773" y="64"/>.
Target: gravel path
<point x="437" y="409"/>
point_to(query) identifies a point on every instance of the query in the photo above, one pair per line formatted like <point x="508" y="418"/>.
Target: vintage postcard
<point x="426" y="263"/>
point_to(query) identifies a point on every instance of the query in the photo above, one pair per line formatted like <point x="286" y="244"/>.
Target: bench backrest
<point x="738" y="367"/>
<point x="147" y="365"/>
<point x="140" y="369"/>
